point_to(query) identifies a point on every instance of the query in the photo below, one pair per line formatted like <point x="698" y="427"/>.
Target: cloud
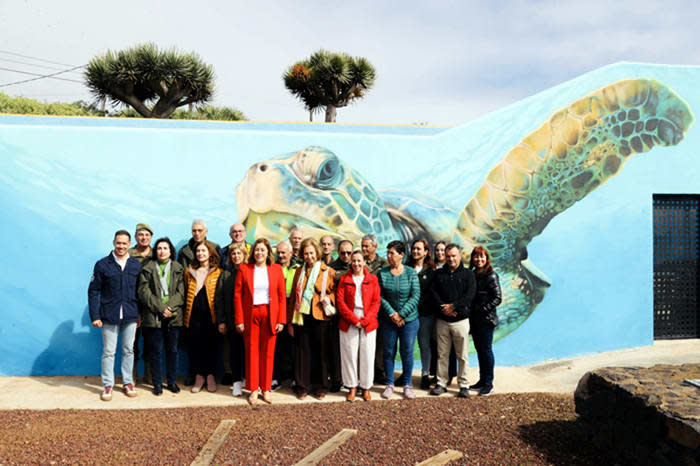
<point x="437" y="62"/>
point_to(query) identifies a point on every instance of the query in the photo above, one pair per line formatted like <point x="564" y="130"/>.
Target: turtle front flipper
<point x="579" y="148"/>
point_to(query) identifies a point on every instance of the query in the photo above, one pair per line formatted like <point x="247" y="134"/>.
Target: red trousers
<point x="260" y="350"/>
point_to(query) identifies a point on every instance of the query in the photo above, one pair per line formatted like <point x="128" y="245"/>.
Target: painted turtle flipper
<point x="578" y="149"/>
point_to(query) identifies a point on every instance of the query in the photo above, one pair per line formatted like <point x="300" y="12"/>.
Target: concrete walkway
<point x="559" y="376"/>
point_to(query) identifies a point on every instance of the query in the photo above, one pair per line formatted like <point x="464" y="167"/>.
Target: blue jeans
<point x="154" y="339"/>
<point x="406" y="336"/>
<point x="482" y="334"/>
<point x="425" y="334"/>
<point x="110" y="334"/>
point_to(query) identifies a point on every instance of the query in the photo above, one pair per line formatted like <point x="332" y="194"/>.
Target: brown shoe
<point x="351" y="395"/>
<point x="266" y="397"/>
<point x="211" y="383"/>
<point x="301" y="395"/>
<point x="366" y="394"/>
<point x="253" y="398"/>
<point x="198" y="384"/>
<point x="320" y="395"/>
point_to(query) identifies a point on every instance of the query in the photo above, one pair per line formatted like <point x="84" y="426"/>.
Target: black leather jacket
<point x="486" y="300"/>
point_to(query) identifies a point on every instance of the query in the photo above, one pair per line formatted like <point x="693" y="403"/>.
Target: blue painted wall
<point x="66" y="184"/>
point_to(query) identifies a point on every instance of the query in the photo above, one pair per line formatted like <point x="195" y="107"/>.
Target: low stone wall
<point x="643" y="415"/>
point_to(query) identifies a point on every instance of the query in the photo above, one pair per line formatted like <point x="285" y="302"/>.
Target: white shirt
<point x="261" y="286"/>
<point x="359" y="307"/>
<point x="122" y="264"/>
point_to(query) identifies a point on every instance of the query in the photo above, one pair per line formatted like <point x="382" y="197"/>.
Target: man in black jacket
<point x="453" y="290"/>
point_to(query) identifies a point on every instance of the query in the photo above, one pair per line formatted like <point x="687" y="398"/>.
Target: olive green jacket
<point x="148" y="292"/>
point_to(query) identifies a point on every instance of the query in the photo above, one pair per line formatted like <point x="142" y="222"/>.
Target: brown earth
<point x="499" y="429"/>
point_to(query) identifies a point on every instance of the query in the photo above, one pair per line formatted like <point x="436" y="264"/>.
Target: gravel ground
<point x="500" y="429"/>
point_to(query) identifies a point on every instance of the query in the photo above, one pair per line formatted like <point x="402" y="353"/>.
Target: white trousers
<point x="357" y="349"/>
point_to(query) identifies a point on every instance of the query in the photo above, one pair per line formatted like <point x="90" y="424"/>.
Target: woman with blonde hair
<point x="237" y="255"/>
<point x="309" y="321"/>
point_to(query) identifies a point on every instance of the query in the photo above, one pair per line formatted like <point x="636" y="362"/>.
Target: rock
<point x="643" y="415"/>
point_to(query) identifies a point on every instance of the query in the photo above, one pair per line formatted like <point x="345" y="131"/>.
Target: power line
<point x="41" y="76"/>
<point x="32" y="64"/>
<point x="34" y="58"/>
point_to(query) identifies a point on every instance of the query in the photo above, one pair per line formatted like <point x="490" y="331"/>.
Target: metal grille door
<point x="676" y="269"/>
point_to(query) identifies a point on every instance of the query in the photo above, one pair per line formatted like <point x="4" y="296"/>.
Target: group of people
<point x="320" y="315"/>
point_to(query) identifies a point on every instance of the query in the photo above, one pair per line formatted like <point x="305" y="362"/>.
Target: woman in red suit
<point x="260" y="313"/>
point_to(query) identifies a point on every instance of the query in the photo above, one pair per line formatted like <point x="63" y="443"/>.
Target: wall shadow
<point x="563" y="443"/>
<point x="71" y="353"/>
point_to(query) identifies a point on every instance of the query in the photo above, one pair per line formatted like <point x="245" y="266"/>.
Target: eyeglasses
<point x="345" y="253"/>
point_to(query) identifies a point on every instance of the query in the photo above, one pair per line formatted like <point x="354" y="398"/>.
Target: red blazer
<point x="345" y="301"/>
<point x="243" y="296"/>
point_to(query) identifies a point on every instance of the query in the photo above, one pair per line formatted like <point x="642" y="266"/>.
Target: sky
<point x="438" y="62"/>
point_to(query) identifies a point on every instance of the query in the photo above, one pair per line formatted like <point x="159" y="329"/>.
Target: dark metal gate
<point x="676" y="266"/>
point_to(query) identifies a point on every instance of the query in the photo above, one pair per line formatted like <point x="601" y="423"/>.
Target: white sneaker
<point x="237" y="389"/>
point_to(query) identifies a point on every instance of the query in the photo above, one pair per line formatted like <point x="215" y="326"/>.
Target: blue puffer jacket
<point x="111" y="289"/>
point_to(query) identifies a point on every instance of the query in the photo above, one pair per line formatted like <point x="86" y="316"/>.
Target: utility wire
<point x="41" y="76"/>
<point x="33" y="64"/>
<point x="33" y="58"/>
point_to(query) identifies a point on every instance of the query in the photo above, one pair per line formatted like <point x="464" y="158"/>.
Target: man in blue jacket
<point x="114" y="310"/>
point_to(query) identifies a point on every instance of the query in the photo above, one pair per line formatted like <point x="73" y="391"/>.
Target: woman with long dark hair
<point x="483" y="318"/>
<point x="161" y="290"/>
<point x="201" y="278"/>
<point x="260" y="303"/>
<point x="422" y="263"/>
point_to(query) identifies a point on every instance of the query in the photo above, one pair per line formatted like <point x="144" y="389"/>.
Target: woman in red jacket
<point x="260" y="313"/>
<point x="357" y="297"/>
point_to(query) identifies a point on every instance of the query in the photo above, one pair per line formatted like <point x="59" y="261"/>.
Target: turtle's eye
<point x="318" y="167"/>
<point x="329" y="174"/>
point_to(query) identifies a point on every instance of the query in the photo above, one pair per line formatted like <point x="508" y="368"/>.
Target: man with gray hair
<point x="374" y="261"/>
<point x="295" y="238"/>
<point x="237" y="233"/>
<point x="199" y="234"/>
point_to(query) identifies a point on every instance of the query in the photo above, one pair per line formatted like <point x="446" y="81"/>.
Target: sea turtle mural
<point x="576" y="150"/>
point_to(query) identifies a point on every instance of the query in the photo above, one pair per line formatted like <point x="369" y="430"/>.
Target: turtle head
<point x="314" y="190"/>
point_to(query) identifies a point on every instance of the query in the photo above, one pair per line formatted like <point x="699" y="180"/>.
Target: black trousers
<point x="335" y="370"/>
<point x="202" y="343"/>
<point x="154" y="338"/>
<point x="285" y="356"/>
<point x="236" y="354"/>
<point x="311" y="362"/>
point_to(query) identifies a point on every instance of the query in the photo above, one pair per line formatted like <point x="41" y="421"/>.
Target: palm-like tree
<point x="329" y="80"/>
<point x="154" y="82"/>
